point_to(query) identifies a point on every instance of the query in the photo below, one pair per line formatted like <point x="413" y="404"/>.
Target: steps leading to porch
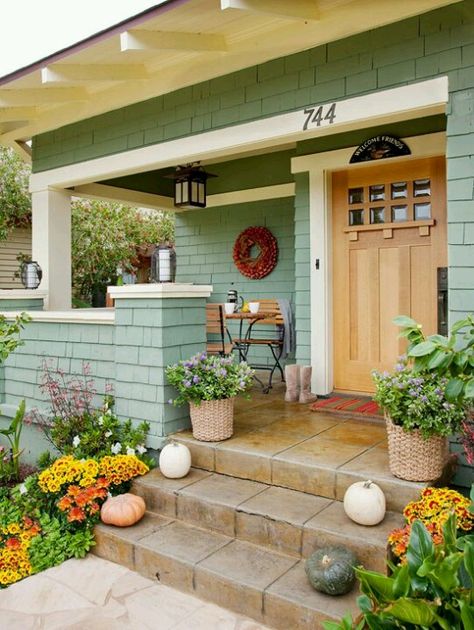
<point x="237" y="529"/>
<point x="268" y="586"/>
<point x="318" y="463"/>
<point x="287" y="521"/>
<point x="242" y="544"/>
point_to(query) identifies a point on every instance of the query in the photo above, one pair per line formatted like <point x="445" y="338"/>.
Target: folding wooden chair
<point x="270" y="332"/>
<point x="216" y="331"/>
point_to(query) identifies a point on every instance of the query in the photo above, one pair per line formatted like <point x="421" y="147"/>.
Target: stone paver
<point x="95" y="593"/>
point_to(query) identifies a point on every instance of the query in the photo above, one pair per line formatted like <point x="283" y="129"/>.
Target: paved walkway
<point x="95" y="594"/>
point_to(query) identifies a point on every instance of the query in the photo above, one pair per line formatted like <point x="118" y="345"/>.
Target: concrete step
<point x="324" y="464"/>
<point x="280" y="519"/>
<point x="268" y="586"/>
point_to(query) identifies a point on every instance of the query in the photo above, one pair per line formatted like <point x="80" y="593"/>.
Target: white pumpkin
<point x="364" y="503"/>
<point x="175" y="460"/>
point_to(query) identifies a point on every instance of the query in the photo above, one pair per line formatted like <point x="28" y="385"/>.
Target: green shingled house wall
<point x="439" y="43"/>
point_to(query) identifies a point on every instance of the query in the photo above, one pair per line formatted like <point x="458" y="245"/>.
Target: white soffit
<point x="176" y="46"/>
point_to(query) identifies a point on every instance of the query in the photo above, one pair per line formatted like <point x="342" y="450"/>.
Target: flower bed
<point x="50" y="517"/>
<point x="433" y="509"/>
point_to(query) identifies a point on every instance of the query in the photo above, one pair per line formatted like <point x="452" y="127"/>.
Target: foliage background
<point x="105" y="236"/>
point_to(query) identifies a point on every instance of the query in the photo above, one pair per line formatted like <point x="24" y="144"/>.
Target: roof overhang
<point x="175" y="44"/>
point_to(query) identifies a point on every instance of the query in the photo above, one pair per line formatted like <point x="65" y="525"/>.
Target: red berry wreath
<point x="267" y="257"/>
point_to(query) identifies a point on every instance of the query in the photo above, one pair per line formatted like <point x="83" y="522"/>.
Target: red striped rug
<point x="349" y="406"/>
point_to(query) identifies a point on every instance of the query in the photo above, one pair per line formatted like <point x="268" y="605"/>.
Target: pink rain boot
<point x="292" y="383"/>
<point x="305" y="385"/>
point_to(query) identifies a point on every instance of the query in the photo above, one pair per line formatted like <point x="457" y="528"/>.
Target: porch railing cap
<point x="160" y="291"/>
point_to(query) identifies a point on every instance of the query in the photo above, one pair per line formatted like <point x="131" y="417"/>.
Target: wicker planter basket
<point x="212" y="420"/>
<point x="414" y="458"/>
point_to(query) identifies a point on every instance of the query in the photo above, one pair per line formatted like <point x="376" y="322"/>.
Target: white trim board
<point x="159" y="202"/>
<point x="401" y="103"/>
<point x="319" y="166"/>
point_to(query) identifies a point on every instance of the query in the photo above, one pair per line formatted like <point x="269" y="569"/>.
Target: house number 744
<point x="317" y="115"/>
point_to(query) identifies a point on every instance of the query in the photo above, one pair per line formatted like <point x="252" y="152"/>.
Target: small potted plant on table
<point x="210" y="384"/>
<point x="426" y="399"/>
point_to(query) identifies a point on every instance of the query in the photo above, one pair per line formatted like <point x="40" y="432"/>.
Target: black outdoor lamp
<point x="163" y="263"/>
<point x="190" y="185"/>
<point x="31" y="274"/>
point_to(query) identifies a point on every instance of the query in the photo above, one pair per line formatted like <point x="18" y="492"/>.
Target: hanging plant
<point x="266" y="259"/>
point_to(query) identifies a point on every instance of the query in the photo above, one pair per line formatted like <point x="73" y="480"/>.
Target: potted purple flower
<point x="419" y="417"/>
<point x="210" y="383"/>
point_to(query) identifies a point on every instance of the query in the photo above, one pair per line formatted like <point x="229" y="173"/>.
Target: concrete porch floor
<point x="287" y="444"/>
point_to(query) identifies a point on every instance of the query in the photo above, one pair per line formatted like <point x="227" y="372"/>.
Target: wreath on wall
<point x="265" y="261"/>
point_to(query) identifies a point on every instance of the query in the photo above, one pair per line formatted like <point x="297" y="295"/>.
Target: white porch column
<point x="51" y="247"/>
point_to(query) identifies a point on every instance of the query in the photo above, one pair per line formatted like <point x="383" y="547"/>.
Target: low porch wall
<point x="128" y="347"/>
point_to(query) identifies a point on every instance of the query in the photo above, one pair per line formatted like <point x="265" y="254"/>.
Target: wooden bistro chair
<point x="216" y="331"/>
<point x="269" y="332"/>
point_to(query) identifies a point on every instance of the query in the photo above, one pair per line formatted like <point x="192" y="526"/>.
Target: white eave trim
<point x="74" y="316"/>
<point x="401" y="103"/>
<point x="160" y="291"/>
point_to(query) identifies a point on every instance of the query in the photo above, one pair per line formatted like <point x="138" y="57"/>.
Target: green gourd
<point x="331" y="570"/>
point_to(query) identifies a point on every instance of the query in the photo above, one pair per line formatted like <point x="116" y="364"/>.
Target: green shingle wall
<point x="131" y="355"/>
<point x="204" y="242"/>
<point x="440" y="42"/>
<point x="32" y="304"/>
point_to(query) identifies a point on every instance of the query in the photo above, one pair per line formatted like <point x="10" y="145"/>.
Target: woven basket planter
<point x="212" y="420"/>
<point x="414" y="458"/>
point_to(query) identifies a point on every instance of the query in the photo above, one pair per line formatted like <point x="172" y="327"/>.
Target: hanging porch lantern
<point x="163" y="263"/>
<point x="190" y="186"/>
<point x="31" y="274"/>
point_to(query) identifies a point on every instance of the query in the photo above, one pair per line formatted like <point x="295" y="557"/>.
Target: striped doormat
<point x="348" y="406"/>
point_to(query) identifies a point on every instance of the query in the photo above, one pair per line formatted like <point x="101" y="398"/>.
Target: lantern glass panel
<point x="202" y="193"/>
<point x="185" y="195"/>
<point x="178" y="195"/>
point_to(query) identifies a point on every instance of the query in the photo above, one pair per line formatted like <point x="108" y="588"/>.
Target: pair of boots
<point x="298" y="384"/>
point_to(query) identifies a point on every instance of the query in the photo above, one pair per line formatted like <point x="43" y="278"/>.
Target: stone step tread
<point x="268" y="586"/>
<point x="317" y="465"/>
<point x="287" y="520"/>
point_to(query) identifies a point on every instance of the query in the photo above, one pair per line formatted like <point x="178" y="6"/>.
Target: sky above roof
<point x="33" y="29"/>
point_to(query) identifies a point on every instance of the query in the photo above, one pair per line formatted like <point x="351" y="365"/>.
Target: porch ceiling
<point x="176" y="44"/>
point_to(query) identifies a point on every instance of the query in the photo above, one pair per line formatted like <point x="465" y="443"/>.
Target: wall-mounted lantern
<point x="30" y="274"/>
<point x="163" y="263"/>
<point x="190" y="185"/>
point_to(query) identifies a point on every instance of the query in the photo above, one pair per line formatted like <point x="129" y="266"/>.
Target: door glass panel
<point x="377" y="215"/>
<point x="377" y="192"/>
<point x="356" y="195"/>
<point x="422" y="211"/>
<point x="421" y="187"/>
<point x="399" y="213"/>
<point x="356" y="217"/>
<point x="399" y="190"/>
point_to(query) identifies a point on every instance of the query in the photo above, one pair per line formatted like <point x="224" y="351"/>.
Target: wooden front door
<point x="389" y="238"/>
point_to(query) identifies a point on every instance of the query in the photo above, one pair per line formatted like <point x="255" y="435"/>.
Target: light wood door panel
<point x="384" y="269"/>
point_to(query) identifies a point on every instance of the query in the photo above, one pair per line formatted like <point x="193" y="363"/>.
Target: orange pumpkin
<point x="123" y="510"/>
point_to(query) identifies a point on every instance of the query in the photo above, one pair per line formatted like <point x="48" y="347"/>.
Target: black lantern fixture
<point x="163" y="263"/>
<point x="31" y="274"/>
<point x="190" y="185"/>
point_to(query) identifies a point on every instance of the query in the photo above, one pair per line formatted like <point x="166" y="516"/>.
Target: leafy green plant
<point x="107" y="236"/>
<point x="433" y="589"/>
<point x="10" y="334"/>
<point x="57" y="544"/>
<point x="75" y="427"/>
<point x="15" y="200"/>
<point x="10" y="461"/>
<point x="204" y="377"/>
<point x="451" y="357"/>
